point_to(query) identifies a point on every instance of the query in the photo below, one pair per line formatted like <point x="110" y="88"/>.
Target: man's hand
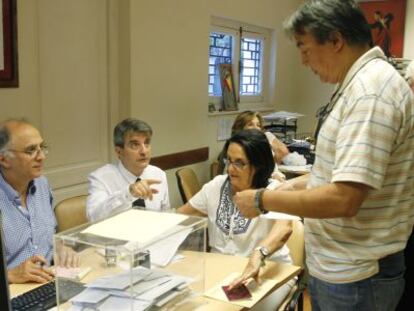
<point x="280" y="150"/>
<point x="142" y="189"/>
<point x="245" y="202"/>
<point x="66" y="257"/>
<point x="31" y="270"/>
<point x="279" y="176"/>
<point x="251" y="271"/>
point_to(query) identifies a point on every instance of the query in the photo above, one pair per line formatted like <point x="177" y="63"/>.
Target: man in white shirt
<point x="132" y="181"/>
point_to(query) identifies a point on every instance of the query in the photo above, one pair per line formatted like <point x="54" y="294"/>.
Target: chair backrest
<point x="188" y="184"/>
<point x="296" y="244"/>
<point x="71" y="212"/>
<point x="214" y="169"/>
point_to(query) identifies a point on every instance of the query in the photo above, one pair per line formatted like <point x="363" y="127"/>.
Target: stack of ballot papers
<point x="149" y="288"/>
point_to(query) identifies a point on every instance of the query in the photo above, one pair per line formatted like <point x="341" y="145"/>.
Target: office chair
<point x="214" y="169"/>
<point x="296" y="245"/>
<point x="71" y="212"/>
<point x="188" y="184"/>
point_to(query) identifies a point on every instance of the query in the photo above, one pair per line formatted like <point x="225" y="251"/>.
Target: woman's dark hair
<point x="257" y="149"/>
<point x="324" y="18"/>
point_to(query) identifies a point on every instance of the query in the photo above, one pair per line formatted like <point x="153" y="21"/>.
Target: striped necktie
<point x="138" y="203"/>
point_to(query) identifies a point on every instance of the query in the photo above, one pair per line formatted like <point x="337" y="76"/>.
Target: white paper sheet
<point x="162" y="289"/>
<point x="303" y="169"/>
<point x="163" y="251"/>
<point x="136" y="225"/>
<point x="120" y="281"/>
<point x="90" y="296"/>
<point x="224" y="129"/>
<point x="281" y="216"/>
<point x="123" y="304"/>
<point x="216" y="292"/>
<point x="166" y="298"/>
<point x="141" y="287"/>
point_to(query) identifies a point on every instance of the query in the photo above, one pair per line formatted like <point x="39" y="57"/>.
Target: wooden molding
<point x="178" y="159"/>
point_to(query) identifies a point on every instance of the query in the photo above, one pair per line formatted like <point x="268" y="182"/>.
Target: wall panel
<point x="72" y="49"/>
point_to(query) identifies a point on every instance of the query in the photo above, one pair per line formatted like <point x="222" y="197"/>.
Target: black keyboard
<point x="39" y="298"/>
<point x="44" y="297"/>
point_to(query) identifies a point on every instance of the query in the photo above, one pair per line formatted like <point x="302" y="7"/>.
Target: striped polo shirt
<point x="367" y="138"/>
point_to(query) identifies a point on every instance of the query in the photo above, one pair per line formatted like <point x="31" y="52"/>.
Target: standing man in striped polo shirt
<point x="405" y="302"/>
<point x="358" y="201"/>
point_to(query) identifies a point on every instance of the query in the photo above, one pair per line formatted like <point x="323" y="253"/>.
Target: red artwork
<point x="387" y="19"/>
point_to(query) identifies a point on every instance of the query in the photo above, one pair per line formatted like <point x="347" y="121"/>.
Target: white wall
<point x="62" y="58"/>
<point x="169" y="65"/>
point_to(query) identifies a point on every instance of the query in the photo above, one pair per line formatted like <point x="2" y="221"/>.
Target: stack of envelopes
<point x="114" y="292"/>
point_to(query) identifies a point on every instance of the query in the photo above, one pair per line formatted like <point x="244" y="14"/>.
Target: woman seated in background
<point x="253" y="120"/>
<point x="250" y="164"/>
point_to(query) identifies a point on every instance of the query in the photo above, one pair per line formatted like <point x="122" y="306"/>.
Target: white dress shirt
<point x="109" y="190"/>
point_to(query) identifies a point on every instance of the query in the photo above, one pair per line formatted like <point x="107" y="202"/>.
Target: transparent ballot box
<point x="135" y="260"/>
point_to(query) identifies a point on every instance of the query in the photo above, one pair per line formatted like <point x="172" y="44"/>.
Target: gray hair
<point x="4" y="138"/>
<point x="409" y="73"/>
<point x="129" y="125"/>
<point x="5" y="132"/>
<point x="323" y="18"/>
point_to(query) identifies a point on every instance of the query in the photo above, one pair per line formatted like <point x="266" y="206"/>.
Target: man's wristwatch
<point x="264" y="253"/>
<point x="258" y="201"/>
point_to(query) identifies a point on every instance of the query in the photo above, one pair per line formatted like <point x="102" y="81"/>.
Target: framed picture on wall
<point x="387" y="20"/>
<point x="227" y="87"/>
<point x="8" y="44"/>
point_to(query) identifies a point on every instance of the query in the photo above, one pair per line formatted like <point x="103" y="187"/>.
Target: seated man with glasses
<point x="27" y="215"/>
<point x="132" y="181"/>
<point x="250" y="165"/>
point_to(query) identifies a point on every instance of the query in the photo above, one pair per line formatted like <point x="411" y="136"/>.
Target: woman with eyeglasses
<point x="253" y="120"/>
<point x="249" y="166"/>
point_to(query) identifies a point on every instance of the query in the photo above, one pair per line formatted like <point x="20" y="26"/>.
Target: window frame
<point x="227" y="27"/>
<point x="235" y="51"/>
<point x="261" y="96"/>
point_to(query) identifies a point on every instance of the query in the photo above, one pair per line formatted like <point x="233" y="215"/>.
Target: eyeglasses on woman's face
<point x="237" y="164"/>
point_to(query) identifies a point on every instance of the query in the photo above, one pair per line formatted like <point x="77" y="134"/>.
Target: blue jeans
<point x="381" y="292"/>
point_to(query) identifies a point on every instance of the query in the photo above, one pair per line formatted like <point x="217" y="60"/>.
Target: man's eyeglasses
<point x="239" y="165"/>
<point x="33" y="151"/>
